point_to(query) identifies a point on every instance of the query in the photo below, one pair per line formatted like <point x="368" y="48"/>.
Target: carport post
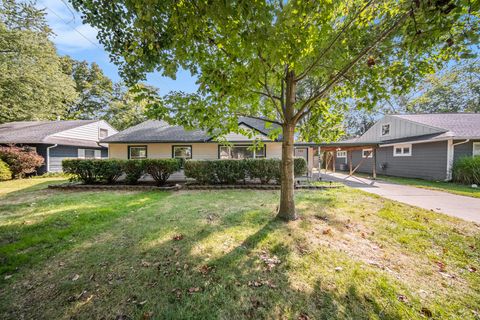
<point x="334" y="160"/>
<point x="349" y="152"/>
<point x="374" y="168"/>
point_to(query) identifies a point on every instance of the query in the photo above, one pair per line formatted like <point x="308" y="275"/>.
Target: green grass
<point x="449" y="187"/>
<point x="203" y="254"/>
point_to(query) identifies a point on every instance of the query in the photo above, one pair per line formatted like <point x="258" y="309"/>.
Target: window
<point x="29" y="148"/>
<point x="476" y="149"/>
<point x="137" y="152"/>
<point x="386" y="129"/>
<point x="402" y="150"/>
<point x="182" y="152"/>
<point x="240" y="152"/>
<point x="341" y="154"/>
<point x="89" y="154"/>
<point x="367" y="153"/>
<point x="103" y="133"/>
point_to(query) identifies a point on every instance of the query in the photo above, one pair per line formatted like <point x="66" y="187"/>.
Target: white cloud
<point x="70" y="34"/>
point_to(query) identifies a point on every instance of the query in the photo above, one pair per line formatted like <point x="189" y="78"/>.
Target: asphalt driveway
<point x="463" y="207"/>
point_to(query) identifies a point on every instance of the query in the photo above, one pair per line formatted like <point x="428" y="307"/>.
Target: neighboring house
<point x="58" y="140"/>
<point x="417" y="146"/>
<point x="157" y="139"/>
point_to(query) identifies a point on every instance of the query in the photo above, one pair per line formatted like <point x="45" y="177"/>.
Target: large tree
<point x="32" y="82"/>
<point x="93" y="87"/>
<point x="286" y="60"/>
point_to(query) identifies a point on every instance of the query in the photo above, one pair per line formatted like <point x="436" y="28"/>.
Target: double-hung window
<point x="402" y="150"/>
<point x="386" y="129"/>
<point x="137" y="152"/>
<point x="241" y="152"/>
<point x="367" y="153"/>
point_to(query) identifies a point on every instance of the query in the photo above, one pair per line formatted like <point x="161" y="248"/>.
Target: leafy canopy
<point x="32" y="82"/>
<point x="294" y="61"/>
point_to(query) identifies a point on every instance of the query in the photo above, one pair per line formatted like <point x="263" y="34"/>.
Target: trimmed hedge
<point x="233" y="171"/>
<point x="5" y="173"/>
<point x="92" y="171"/>
<point x="161" y="169"/>
<point x="467" y="170"/>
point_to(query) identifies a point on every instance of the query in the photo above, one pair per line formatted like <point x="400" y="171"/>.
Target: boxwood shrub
<point x="161" y="169"/>
<point x="5" y="173"/>
<point x="467" y="170"/>
<point x="233" y="171"/>
<point x="134" y="170"/>
<point x="83" y="170"/>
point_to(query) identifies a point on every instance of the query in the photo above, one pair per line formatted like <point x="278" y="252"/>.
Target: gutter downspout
<point x="48" y="156"/>
<point x="451" y="154"/>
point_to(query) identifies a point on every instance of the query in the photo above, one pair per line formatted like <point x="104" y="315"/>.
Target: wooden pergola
<point x="331" y="149"/>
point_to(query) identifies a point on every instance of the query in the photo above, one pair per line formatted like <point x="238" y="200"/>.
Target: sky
<point x="78" y="40"/>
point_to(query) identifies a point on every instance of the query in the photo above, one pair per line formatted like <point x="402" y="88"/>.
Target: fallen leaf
<point x="441" y="266"/>
<point x="8" y="276"/>
<point x="145" y="264"/>
<point x="147" y="315"/>
<point x="303" y="316"/>
<point x="178" y="237"/>
<point x="402" y="298"/>
<point x="426" y="312"/>
<point x="327" y="231"/>
<point x="472" y="269"/>
<point x="75" y="277"/>
<point x="338" y="269"/>
<point x="194" y="289"/>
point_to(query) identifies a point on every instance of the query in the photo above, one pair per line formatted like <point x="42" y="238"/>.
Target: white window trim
<point x="402" y="146"/>
<point x="473" y="148"/>
<point x="389" y="129"/>
<point x="343" y="154"/>
<point x="370" y="155"/>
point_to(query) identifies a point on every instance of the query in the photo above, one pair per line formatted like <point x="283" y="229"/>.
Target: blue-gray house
<point x="58" y="140"/>
<point x="416" y="146"/>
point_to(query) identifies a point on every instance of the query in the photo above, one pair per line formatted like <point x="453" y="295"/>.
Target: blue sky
<point x="78" y="40"/>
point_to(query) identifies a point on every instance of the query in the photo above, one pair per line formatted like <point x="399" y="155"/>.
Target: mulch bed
<point x="140" y="187"/>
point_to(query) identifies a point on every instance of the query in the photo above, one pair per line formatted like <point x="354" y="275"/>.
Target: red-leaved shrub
<point x="21" y="161"/>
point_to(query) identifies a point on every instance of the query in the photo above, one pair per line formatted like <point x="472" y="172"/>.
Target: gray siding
<point x="428" y="161"/>
<point x="59" y="153"/>
<point x="464" y="149"/>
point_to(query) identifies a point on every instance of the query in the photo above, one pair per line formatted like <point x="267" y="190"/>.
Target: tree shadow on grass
<point x="179" y="277"/>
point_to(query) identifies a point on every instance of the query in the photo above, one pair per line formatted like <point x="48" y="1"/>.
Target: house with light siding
<point x="157" y="139"/>
<point x="58" y="140"/>
<point x="415" y="146"/>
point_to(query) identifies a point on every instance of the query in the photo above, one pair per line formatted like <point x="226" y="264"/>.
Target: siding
<point x="59" y="153"/>
<point x="428" y="161"/>
<point x="87" y="132"/>
<point x="463" y="150"/>
<point x="399" y="128"/>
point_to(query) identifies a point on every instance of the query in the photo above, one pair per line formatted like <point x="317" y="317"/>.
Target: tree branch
<point x="342" y="31"/>
<point x="333" y="81"/>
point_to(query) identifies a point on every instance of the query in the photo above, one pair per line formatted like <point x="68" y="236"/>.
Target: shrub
<point x="200" y="170"/>
<point x="108" y="170"/>
<point x="228" y="171"/>
<point x="231" y="171"/>
<point x="20" y="160"/>
<point x="467" y="170"/>
<point x="264" y="170"/>
<point x="84" y="170"/>
<point x="5" y="173"/>
<point x="134" y="170"/>
<point x="161" y="169"/>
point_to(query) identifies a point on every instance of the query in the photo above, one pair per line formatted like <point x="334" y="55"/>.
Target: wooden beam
<point x="374" y="169"/>
<point x="334" y="162"/>
<point x="360" y="163"/>
<point x="349" y="153"/>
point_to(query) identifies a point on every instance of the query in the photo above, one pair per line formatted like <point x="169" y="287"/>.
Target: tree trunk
<point x="287" y="202"/>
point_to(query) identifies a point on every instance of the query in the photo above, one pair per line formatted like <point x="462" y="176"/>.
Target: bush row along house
<point x="417" y="146"/>
<point x="58" y="140"/>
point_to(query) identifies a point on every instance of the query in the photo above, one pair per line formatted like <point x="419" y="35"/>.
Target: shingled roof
<point x="152" y="131"/>
<point x="458" y="125"/>
<point x="22" y="132"/>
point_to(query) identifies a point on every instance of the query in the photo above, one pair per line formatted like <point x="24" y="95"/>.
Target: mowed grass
<point x="223" y="255"/>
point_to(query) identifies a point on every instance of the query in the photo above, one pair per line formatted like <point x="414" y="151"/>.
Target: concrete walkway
<point x="466" y="208"/>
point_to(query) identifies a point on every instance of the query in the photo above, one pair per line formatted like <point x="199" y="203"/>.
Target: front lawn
<point x="222" y="255"/>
